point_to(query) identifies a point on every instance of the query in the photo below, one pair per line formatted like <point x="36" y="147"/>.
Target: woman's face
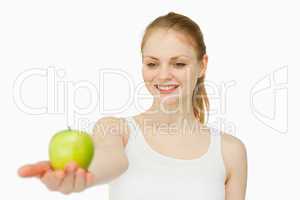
<point x="169" y="59"/>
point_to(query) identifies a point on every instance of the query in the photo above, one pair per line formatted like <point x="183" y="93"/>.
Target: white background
<point x="251" y="45"/>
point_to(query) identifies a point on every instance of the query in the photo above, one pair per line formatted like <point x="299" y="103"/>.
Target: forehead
<point x="168" y="43"/>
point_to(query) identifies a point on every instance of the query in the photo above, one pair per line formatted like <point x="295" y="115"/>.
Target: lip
<point x="167" y="91"/>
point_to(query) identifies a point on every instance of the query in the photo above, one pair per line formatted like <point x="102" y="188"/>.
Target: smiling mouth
<point x="166" y="89"/>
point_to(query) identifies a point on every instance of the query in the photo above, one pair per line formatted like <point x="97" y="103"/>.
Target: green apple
<point x="71" y="145"/>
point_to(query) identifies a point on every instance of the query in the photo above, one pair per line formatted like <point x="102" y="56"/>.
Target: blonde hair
<point x="191" y="30"/>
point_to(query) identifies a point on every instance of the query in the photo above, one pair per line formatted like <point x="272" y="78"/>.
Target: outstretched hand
<point x="71" y="179"/>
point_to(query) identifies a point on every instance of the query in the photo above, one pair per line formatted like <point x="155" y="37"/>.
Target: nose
<point x="164" y="73"/>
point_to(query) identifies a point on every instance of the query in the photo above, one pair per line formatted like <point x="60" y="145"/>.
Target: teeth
<point x="166" y="87"/>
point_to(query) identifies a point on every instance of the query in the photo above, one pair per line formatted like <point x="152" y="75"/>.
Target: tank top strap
<point x="215" y="140"/>
<point x="135" y="143"/>
<point x="133" y="128"/>
<point x="216" y="147"/>
<point x="129" y="123"/>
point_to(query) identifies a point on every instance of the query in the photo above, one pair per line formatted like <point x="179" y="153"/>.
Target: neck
<point x="173" y="115"/>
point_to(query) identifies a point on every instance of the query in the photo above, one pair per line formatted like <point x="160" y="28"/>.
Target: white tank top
<point x="154" y="176"/>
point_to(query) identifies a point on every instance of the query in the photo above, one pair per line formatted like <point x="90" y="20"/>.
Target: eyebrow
<point x="172" y="58"/>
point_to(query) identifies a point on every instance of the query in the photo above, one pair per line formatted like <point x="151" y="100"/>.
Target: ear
<point x="203" y="65"/>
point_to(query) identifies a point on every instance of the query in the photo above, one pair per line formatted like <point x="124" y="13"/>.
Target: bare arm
<point x="235" y="155"/>
<point x="109" y="159"/>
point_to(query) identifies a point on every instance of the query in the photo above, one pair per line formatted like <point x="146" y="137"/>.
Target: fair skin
<point x="109" y="161"/>
<point x="168" y="57"/>
<point x="59" y="180"/>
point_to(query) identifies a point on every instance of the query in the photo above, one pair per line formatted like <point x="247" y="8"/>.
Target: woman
<point x="177" y="156"/>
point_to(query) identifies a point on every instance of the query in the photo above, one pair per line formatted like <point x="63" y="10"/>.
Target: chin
<point x="168" y="100"/>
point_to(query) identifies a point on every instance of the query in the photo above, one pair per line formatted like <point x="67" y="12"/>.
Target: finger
<point x="79" y="180"/>
<point x="53" y="179"/>
<point x="34" y="169"/>
<point x="89" y="179"/>
<point x="67" y="184"/>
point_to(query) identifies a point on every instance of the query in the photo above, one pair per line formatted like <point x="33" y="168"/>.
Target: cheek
<point x="148" y="75"/>
<point x="188" y="79"/>
<point x="186" y="76"/>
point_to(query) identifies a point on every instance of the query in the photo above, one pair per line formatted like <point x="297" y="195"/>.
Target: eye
<point x="180" y="64"/>
<point x="151" y="65"/>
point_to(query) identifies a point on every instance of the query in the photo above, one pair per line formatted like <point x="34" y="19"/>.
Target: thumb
<point x="34" y="170"/>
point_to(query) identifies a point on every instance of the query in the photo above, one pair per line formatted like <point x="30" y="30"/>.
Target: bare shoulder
<point x="232" y="143"/>
<point x="234" y="153"/>
<point x="111" y="129"/>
